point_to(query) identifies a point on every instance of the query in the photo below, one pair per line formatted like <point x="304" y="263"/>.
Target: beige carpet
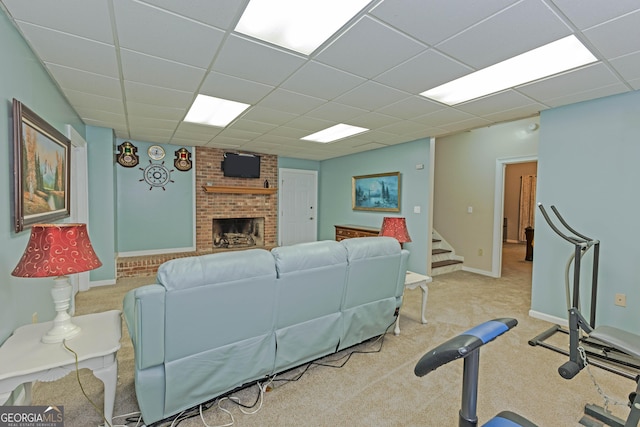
<point x="380" y="389"/>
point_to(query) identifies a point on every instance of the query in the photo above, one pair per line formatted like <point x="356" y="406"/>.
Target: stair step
<point x="445" y="263"/>
<point x="440" y="251"/>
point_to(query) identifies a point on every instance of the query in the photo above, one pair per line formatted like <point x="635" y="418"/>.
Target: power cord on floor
<point x="263" y="388"/>
<point x="75" y="355"/>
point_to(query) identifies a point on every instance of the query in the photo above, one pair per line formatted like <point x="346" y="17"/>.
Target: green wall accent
<point x="291" y="163"/>
<point x="588" y="169"/>
<point x="156" y="219"/>
<point x="101" y="201"/>
<point x="22" y="77"/>
<point x="334" y="193"/>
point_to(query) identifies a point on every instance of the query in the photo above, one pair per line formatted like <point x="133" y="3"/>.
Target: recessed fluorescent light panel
<point x="547" y="60"/>
<point x="334" y="133"/>
<point x="208" y="110"/>
<point x="300" y="25"/>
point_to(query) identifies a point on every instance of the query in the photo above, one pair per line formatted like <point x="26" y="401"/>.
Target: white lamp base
<point x="63" y="328"/>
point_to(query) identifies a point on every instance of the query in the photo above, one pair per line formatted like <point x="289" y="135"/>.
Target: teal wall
<point x="588" y="167"/>
<point x="156" y="219"/>
<point x="22" y="77"/>
<point x="102" y="201"/>
<point x="334" y="193"/>
<point x="291" y="163"/>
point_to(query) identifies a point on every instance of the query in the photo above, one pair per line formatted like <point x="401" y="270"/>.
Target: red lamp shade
<point x="395" y="227"/>
<point x="57" y="250"/>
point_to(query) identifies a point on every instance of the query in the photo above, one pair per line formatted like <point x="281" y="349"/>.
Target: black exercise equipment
<point x="613" y="349"/>
<point x="467" y="345"/>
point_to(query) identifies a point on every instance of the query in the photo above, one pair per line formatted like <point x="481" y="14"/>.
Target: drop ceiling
<point x="136" y="67"/>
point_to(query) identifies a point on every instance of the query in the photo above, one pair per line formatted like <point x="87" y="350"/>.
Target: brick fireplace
<point x="210" y="206"/>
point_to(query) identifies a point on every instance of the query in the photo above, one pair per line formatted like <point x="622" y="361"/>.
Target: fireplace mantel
<point x="238" y="190"/>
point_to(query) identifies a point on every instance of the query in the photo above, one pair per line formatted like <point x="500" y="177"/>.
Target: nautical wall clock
<point x="127" y="155"/>
<point x="156" y="152"/>
<point x="182" y="162"/>
<point x="156" y="175"/>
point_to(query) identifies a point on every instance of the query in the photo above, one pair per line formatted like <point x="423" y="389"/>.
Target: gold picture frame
<point x="41" y="170"/>
<point x="376" y="192"/>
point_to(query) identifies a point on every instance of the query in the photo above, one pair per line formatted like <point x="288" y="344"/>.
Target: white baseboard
<point x="548" y="318"/>
<point x="97" y="283"/>
<point x="478" y="271"/>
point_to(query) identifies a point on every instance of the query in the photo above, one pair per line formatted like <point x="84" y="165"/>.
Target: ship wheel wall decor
<point x="156" y="175"/>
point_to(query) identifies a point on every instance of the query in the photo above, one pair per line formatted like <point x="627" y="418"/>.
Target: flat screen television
<point x="240" y="165"/>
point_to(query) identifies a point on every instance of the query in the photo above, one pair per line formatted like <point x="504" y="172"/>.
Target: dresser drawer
<point x="351" y="231"/>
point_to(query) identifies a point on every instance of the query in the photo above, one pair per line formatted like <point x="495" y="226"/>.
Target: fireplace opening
<point x="232" y="233"/>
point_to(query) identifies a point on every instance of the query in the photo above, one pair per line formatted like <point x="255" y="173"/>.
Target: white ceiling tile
<point x="251" y="126"/>
<point x="581" y="80"/>
<point x="369" y="48"/>
<point x="154" y="71"/>
<point x="139" y="122"/>
<point x="89" y="100"/>
<point x="502" y="101"/>
<point x="89" y="19"/>
<point x="234" y="88"/>
<point x="422" y="72"/>
<point x="71" y="51"/>
<point x="410" y="107"/>
<point x="82" y="81"/>
<point x="599" y="92"/>
<point x="371" y="96"/>
<point x="155" y="95"/>
<point x="433" y="22"/>
<point x="587" y="13"/>
<point x="219" y="13"/>
<point x="152" y="38"/>
<point x="506" y="34"/>
<point x="256" y="61"/>
<point x="368" y="74"/>
<point x="291" y="102"/>
<point x="443" y="117"/>
<point x="268" y="115"/>
<point x="628" y="66"/>
<point x="336" y="112"/>
<point x="617" y="37"/>
<point x="321" y="81"/>
<point x="155" y="111"/>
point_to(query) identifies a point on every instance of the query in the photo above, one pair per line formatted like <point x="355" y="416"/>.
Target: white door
<point x="298" y="194"/>
<point x="79" y="201"/>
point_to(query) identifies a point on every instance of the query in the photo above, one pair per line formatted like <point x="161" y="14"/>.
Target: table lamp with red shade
<point x="55" y="250"/>
<point x="395" y="227"/>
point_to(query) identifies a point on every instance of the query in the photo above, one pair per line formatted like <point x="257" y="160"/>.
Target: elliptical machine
<point x="612" y="347"/>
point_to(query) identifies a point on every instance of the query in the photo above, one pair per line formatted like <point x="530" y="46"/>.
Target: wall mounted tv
<point x="240" y="165"/>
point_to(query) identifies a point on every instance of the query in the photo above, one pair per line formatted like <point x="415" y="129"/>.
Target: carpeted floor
<point x="379" y="388"/>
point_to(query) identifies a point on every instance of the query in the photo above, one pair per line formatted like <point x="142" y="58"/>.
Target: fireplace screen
<point x="231" y="233"/>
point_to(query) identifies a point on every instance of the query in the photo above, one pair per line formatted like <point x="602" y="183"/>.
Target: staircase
<point x="443" y="256"/>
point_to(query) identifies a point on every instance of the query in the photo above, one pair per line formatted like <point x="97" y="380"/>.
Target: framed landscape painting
<point x="41" y="170"/>
<point x="377" y="192"/>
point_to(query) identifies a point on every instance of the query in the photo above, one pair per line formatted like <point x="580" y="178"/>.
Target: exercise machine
<point x="612" y="349"/>
<point x="467" y="346"/>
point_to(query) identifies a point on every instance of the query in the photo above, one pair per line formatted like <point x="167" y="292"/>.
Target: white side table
<point x="24" y="358"/>
<point x="412" y="281"/>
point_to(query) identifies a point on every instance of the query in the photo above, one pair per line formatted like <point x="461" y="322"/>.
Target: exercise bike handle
<point x="463" y="345"/>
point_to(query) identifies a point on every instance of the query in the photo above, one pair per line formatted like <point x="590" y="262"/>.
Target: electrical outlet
<point x="621" y="300"/>
<point x="34" y="317"/>
<point x="480" y="252"/>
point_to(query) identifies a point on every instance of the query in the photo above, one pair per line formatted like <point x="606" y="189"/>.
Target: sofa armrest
<point x="143" y="309"/>
<point x="402" y="274"/>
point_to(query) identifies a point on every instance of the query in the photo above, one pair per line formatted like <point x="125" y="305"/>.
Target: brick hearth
<point x="215" y="205"/>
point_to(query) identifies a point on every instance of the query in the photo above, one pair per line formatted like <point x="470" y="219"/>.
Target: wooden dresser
<point x="348" y="231"/>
